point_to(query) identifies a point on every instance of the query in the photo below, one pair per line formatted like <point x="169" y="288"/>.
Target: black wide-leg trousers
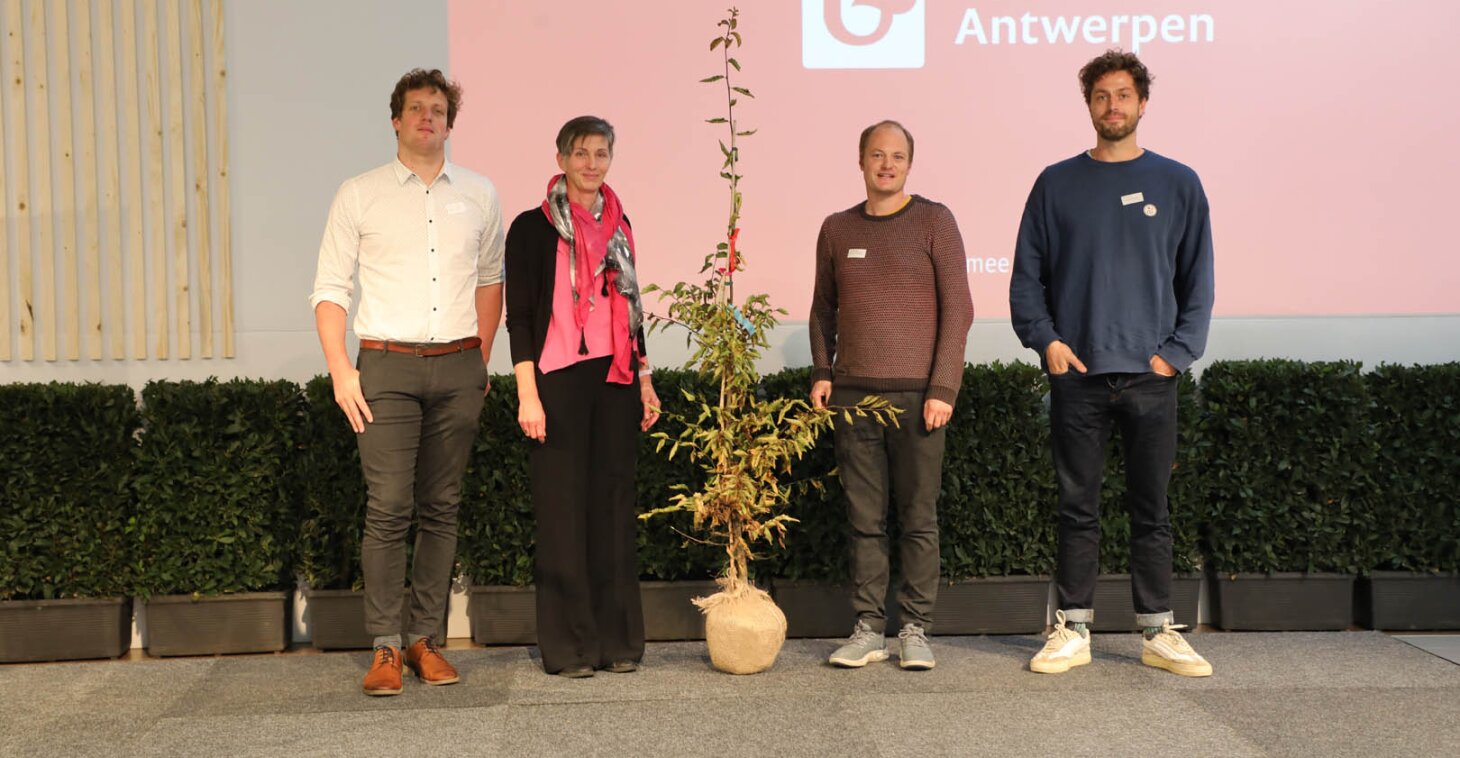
<point x="583" y="495"/>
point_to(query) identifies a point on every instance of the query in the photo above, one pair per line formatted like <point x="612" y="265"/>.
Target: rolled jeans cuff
<point x="1151" y="619"/>
<point x="1079" y="615"/>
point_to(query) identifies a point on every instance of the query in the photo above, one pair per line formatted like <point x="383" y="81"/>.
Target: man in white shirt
<point x="425" y="237"/>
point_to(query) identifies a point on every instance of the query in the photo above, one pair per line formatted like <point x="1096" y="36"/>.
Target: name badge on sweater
<point x="1132" y="198"/>
<point x="857" y="252"/>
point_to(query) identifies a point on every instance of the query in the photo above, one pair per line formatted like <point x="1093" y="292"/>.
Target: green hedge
<point x="332" y="493"/>
<point x="1281" y="466"/>
<point x="1288" y="466"/>
<point x="496" y="537"/>
<point x="1184" y="494"/>
<point x="815" y="548"/>
<point x="216" y="484"/>
<point x="65" y="458"/>
<point x="495" y="541"/>
<point x="665" y="553"/>
<point x="1416" y="502"/>
<point x="997" y="510"/>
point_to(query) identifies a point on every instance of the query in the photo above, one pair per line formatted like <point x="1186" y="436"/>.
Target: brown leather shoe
<point x="426" y="660"/>
<point x="383" y="678"/>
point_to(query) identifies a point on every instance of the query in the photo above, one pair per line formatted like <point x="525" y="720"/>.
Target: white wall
<point x="309" y="85"/>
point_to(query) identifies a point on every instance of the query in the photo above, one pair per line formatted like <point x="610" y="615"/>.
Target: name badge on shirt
<point x="455" y="208"/>
<point x="1132" y="198"/>
<point x="857" y="252"/>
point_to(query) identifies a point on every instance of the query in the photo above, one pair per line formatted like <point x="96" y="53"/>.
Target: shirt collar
<point x="403" y="174"/>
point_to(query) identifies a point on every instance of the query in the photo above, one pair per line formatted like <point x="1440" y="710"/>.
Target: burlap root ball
<point x="744" y="633"/>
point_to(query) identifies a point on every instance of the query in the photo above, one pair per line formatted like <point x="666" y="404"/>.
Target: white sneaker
<point x="1169" y="650"/>
<point x="1065" y="649"/>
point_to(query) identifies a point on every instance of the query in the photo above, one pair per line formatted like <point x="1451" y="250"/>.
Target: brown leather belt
<point x="423" y="349"/>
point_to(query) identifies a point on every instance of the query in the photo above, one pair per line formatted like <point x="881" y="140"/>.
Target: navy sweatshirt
<point x="1115" y="260"/>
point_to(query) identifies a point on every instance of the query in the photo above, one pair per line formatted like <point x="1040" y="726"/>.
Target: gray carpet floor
<point x="1322" y="694"/>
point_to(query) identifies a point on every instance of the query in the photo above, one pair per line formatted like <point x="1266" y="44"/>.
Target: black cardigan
<point x="532" y="267"/>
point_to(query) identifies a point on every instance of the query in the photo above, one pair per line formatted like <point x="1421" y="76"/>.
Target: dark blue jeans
<point x="1083" y="412"/>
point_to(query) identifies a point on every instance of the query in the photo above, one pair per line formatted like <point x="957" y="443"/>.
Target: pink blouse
<point x="561" y="348"/>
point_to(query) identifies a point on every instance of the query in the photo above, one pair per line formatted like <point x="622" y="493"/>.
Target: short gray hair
<point x="580" y="127"/>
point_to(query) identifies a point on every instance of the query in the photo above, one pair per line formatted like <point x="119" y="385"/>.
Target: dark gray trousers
<point x="905" y="464"/>
<point x="414" y="455"/>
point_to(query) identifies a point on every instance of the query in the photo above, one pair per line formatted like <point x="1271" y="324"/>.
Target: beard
<point x="1117" y="132"/>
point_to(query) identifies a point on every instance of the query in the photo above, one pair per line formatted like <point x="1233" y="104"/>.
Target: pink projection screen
<point x="1321" y="131"/>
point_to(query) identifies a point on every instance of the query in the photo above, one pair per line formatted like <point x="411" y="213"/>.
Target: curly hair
<point x="419" y="78"/>
<point x="1116" y="60"/>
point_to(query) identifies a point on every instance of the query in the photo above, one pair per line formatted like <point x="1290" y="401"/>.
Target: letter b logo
<point x="862" y="33"/>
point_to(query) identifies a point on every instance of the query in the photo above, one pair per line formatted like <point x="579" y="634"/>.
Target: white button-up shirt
<point x="421" y="252"/>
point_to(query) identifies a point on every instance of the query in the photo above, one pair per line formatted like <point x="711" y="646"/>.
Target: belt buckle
<point x="419" y="349"/>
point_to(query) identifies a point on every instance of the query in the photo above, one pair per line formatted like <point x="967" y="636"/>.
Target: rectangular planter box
<point x="1283" y="602"/>
<point x="503" y="615"/>
<point x="508" y="615"/>
<point x="992" y="605"/>
<point x="337" y="619"/>
<point x="814" y="609"/>
<point x="1402" y="601"/>
<point x="248" y="622"/>
<point x="995" y="605"/>
<point x="668" y="612"/>
<point x="1115" y="611"/>
<point x="64" y="630"/>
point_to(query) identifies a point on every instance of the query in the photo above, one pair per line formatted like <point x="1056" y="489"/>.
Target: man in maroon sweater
<point x="890" y="317"/>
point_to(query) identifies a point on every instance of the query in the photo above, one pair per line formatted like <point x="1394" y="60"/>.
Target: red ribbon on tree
<point x="733" y="236"/>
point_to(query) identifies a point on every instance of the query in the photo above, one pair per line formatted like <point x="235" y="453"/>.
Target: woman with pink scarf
<point x="584" y="392"/>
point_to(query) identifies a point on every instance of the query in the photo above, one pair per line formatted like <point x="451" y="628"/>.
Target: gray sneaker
<point x="916" y="654"/>
<point x="862" y="648"/>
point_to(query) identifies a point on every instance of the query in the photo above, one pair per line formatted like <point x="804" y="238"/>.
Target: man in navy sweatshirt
<point x="1112" y="284"/>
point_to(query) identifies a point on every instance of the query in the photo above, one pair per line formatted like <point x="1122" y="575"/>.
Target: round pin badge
<point x="1150" y="209"/>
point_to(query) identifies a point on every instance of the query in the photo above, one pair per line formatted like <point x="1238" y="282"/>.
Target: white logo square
<point x="863" y="33"/>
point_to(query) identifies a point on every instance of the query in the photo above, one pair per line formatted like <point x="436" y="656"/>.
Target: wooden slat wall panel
<point x="19" y="159"/>
<point x="42" y="206"/>
<point x="220" y="126"/>
<point x="5" y="349"/>
<point x="90" y="221"/>
<point x="69" y="316"/>
<point x="198" y="87"/>
<point x="177" y="203"/>
<point x="123" y="186"/>
<point x="130" y="148"/>
<point x="156" y="215"/>
<point x="111" y="182"/>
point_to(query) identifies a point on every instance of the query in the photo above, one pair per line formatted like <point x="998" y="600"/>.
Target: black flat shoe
<point x="576" y="672"/>
<point x="622" y="667"/>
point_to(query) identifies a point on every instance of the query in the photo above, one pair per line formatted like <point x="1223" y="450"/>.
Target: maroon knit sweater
<point x="892" y="309"/>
